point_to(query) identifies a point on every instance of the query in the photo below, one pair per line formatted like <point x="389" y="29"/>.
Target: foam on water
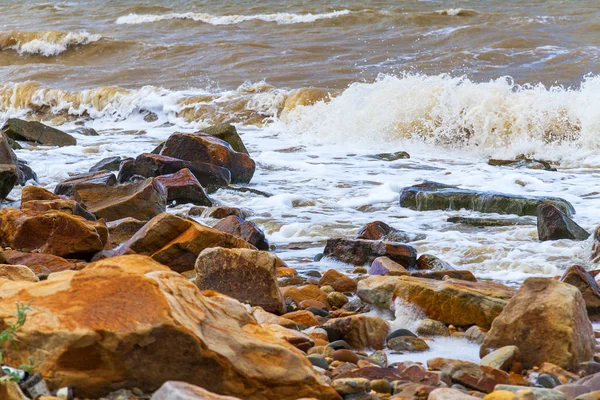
<point x="280" y="18"/>
<point x="48" y="44"/>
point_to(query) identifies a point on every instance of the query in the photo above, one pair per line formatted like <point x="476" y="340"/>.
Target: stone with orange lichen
<point x="338" y="281"/>
<point x="38" y="262"/>
<point x="286" y="271"/>
<point x="30" y="193"/>
<point x="307" y="292"/>
<point x="302" y="317"/>
<point x="175" y="241"/>
<point x="362" y="331"/>
<point x="95" y="329"/>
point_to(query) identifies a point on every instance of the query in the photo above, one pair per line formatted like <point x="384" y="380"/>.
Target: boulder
<point x="577" y="276"/>
<point x="183" y="187"/>
<point x="141" y="200"/>
<point x="450" y="394"/>
<point x="52" y="232"/>
<point x="174" y="390"/>
<point x="503" y="358"/>
<point x="338" y="281"/>
<point x="227" y="133"/>
<point x="121" y="230"/>
<point x="431" y="327"/>
<point x="263" y="317"/>
<point x="435" y="196"/>
<point x="552" y="224"/>
<point x="17" y="273"/>
<point x="38" y="262"/>
<point x="361" y="331"/>
<point x="246" y="275"/>
<point x="522" y="162"/>
<point x="547" y="321"/>
<point x="83" y="181"/>
<point x="451" y="301"/>
<point x="441" y="275"/>
<point x="302" y="317"/>
<point x="386" y="266"/>
<point x="379" y="230"/>
<point x="211" y="150"/>
<point x="432" y="263"/>
<point x="407" y="343"/>
<point x="361" y="252"/>
<point x="246" y="230"/>
<point x="536" y="393"/>
<point x="107" y="164"/>
<point x="478" y="377"/>
<point x="33" y="131"/>
<point x="63" y="205"/>
<point x="31" y="193"/>
<point x="175" y="241"/>
<point x="8" y="179"/>
<point x="219" y="212"/>
<point x="301" y="293"/>
<point x="152" y="165"/>
<point x="94" y="329"/>
<point x="490" y="222"/>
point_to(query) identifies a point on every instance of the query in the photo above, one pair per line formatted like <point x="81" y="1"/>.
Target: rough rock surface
<point x="33" y="131"/>
<point x="360" y="251"/>
<point x="577" y="276"/>
<point x="17" y="273"/>
<point x="83" y="181"/>
<point x="228" y="133"/>
<point x="95" y="328"/>
<point x="547" y="321"/>
<point x="552" y="224"/>
<point x="174" y="390"/>
<point x="183" y="187"/>
<point x="361" y="331"/>
<point x="246" y="230"/>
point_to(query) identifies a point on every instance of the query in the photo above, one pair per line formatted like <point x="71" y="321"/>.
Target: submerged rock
<point x="399" y="155"/>
<point x="552" y="224"/>
<point x="247" y="275"/>
<point x="489" y="222"/>
<point x="34" y="131"/>
<point x="522" y="162"/>
<point x="360" y="251"/>
<point x="435" y="196"/>
<point x="129" y="322"/>
<point x="547" y="321"/>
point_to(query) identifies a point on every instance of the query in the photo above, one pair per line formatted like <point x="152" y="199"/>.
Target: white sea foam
<point x="280" y="18"/>
<point x="47" y="44"/>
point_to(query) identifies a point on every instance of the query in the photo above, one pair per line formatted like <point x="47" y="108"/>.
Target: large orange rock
<point x="17" y="273"/>
<point x="176" y="242"/>
<point x="52" y="232"/>
<point x="451" y="301"/>
<point x="302" y="293"/>
<point x="62" y="205"/>
<point x="130" y="322"/>
<point x="37" y="262"/>
<point x="338" y="281"/>
<point x="30" y="193"/>
<point x="140" y="200"/>
<point x="548" y="322"/>
<point x="249" y="276"/>
<point x="362" y="331"/>
<point x="211" y="150"/>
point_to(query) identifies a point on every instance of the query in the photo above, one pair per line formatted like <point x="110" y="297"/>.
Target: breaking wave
<point x="48" y="44"/>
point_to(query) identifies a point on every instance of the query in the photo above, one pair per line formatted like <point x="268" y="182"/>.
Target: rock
<point x="577" y="276"/>
<point x="338" y="281"/>
<point x="547" y="321"/>
<point x="299" y="340"/>
<point x="173" y="390"/>
<point x="11" y="171"/>
<point x="227" y="133"/>
<point x="489" y="222"/>
<point x="8" y="179"/>
<point x="572" y="391"/>
<point x="345" y="355"/>
<point x="211" y="150"/>
<point x="450" y="301"/>
<point x="433" y="263"/>
<point x="450" y="394"/>
<point x="552" y="224"/>
<point x="152" y="165"/>
<point x="378" y="230"/>
<point x="478" y="377"/>
<point x="32" y="193"/>
<point x="348" y="386"/>
<point x="219" y="212"/>
<point x="245" y="230"/>
<point x="592" y="382"/>
<point x="475" y="334"/>
<point x="141" y="200"/>
<point x="381" y="386"/>
<point x="385" y="266"/>
<point x="399" y="333"/>
<point x="87" y="131"/>
<point x="463" y="275"/>
<point x="119" y="314"/>
<point x="589" y="396"/>
<point x="407" y="343"/>
<point x="246" y="275"/>
<point x="39" y="263"/>
<point x="176" y="242"/>
<point x="307" y="292"/>
<point x="563" y="375"/>
<point x="318" y="361"/>
<point x="12" y="391"/>
<point x="263" y="317"/>
<point x="183" y="187"/>
<point x="84" y="181"/>
<point x="51" y="232"/>
<point x="337" y="299"/>
<point x="336" y="344"/>
<point x="361" y="331"/>
<point x="410" y="390"/>
<point x="547" y="380"/>
<point x="502" y="395"/>
<point x="121" y="230"/>
<point x="399" y="155"/>
<point x="63" y="205"/>
<point x="503" y="358"/>
<point x="434" y="196"/>
<point x="107" y="164"/>
<point x="34" y="131"/>
<point x="302" y="317"/>
<point x="17" y="273"/>
<point x="430" y="328"/>
<point x="538" y="393"/>
<point x="360" y="252"/>
<point x="25" y="173"/>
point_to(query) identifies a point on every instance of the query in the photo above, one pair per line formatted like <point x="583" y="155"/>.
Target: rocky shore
<point x="106" y="295"/>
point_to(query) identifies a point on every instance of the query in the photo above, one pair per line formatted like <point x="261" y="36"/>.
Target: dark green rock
<point x="34" y="131"/>
<point x="489" y="222"/>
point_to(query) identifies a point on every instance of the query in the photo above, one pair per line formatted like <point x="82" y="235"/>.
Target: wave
<point x="280" y="18"/>
<point x="50" y="43"/>
<point x="458" y="12"/>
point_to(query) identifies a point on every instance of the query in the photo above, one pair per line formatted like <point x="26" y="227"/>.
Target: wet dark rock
<point x="334" y="334"/>
<point x="241" y="189"/>
<point x="356" y="305"/>
<point x="489" y="222"/>
<point x="596" y="245"/>
<point x="107" y="164"/>
<point x="360" y="251"/>
<point x="318" y="360"/>
<point x="246" y="230"/>
<point x="399" y="333"/>
<point x="435" y="196"/>
<point x="522" y="162"/>
<point x="183" y="187"/>
<point x="218" y="212"/>
<point x="552" y="224"/>
<point x="87" y="131"/>
<point x="227" y="133"/>
<point x="84" y="181"/>
<point x="338" y="344"/>
<point x="34" y="131"/>
<point x="399" y="155"/>
<point x="547" y="381"/>
<point x="152" y="165"/>
<point x="433" y="263"/>
<point x="25" y="173"/>
<point x="378" y="230"/>
<point x="318" y="311"/>
<point x="318" y="257"/>
<point x="577" y="276"/>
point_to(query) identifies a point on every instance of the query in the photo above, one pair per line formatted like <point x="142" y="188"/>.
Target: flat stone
<point x="538" y="393"/>
<point x="173" y="390"/>
<point x="34" y="131"/>
<point x="87" y="180"/>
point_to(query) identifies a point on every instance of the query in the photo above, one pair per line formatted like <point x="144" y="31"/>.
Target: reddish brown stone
<point x="38" y="262"/>
<point x="141" y="200"/>
<point x="432" y="263"/>
<point x="378" y="230"/>
<point x="345" y="355"/>
<point x="478" y="377"/>
<point x="63" y="205"/>
<point x="338" y="281"/>
<point x="440" y="275"/>
<point x="183" y="187"/>
<point x="386" y="266"/>
<point x="245" y="230"/>
<point x="553" y="224"/>
<point x="83" y="181"/>
<point x="218" y="212"/>
<point x="577" y="276"/>
<point x="307" y="292"/>
<point x="360" y="252"/>
<point x="211" y="150"/>
<point x="302" y="317"/>
<point x="361" y="331"/>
